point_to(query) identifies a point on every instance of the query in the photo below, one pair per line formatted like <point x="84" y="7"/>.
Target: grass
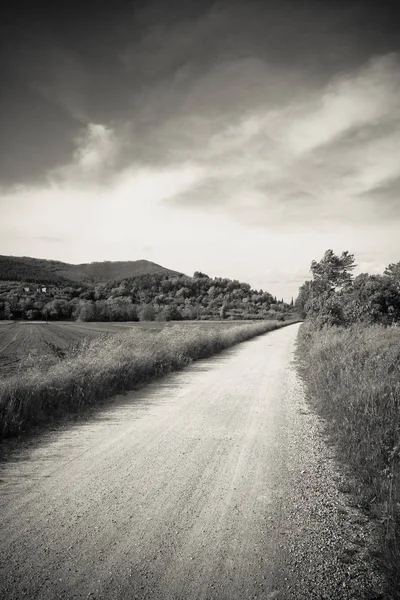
<point x="353" y="380"/>
<point x="21" y="341"/>
<point x="104" y="366"/>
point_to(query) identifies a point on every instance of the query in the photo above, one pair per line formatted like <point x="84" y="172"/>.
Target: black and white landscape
<point x="200" y="300"/>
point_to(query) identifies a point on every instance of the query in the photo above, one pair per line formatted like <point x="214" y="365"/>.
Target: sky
<point x="241" y="139"/>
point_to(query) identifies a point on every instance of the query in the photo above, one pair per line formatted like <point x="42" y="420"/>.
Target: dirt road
<point x="212" y="484"/>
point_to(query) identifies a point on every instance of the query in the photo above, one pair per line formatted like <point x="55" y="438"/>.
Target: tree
<point x="332" y="270"/>
<point x="393" y="270"/>
<point x="147" y="313"/>
<point x="371" y="299"/>
<point x="121" y="309"/>
<point x="85" y="311"/>
<point x="319" y="299"/>
<point x="223" y="310"/>
<point x="190" y="312"/>
<point x="100" y="292"/>
<point x="393" y="273"/>
<point x="304" y="299"/>
<point x="8" y="313"/>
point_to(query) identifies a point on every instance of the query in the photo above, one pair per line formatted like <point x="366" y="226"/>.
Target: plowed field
<point x="25" y="344"/>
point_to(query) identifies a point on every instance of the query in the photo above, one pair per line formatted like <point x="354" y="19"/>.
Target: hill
<point x="36" y="289"/>
<point x="39" y="270"/>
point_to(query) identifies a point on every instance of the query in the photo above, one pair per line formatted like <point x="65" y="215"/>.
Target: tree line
<point x="145" y="297"/>
<point x="335" y="297"/>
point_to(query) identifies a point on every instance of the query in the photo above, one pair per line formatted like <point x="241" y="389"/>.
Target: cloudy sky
<point x="237" y="138"/>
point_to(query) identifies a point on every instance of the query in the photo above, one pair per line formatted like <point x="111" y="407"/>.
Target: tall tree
<point x="393" y="272"/>
<point x="332" y="270"/>
<point x="319" y="299"/>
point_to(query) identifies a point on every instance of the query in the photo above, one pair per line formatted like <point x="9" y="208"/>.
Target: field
<point x="100" y="366"/>
<point x="22" y="344"/>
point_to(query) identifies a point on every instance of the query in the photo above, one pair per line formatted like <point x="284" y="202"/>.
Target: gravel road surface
<point x="214" y="483"/>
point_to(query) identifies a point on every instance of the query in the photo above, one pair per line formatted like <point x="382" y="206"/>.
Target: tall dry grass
<point x="110" y="364"/>
<point x="353" y="379"/>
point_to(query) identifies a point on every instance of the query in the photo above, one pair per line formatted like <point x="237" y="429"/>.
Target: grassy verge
<point x="107" y="365"/>
<point x="353" y="379"/>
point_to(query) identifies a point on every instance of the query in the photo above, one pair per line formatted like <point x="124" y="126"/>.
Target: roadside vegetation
<point x="349" y="358"/>
<point x="109" y="364"/>
<point x="23" y="344"/>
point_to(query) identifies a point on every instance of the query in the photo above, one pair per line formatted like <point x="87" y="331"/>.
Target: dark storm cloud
<point x="35" y="133"/>
<point x="164" y="78"/>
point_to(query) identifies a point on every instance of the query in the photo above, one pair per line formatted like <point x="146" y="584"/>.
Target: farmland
<point x="61" y="382"/>
<point x="25" y="344"/>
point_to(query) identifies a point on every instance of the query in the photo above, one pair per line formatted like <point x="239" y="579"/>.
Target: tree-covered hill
<point x="42" y="271"/>
<point x="160" y="296"/>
